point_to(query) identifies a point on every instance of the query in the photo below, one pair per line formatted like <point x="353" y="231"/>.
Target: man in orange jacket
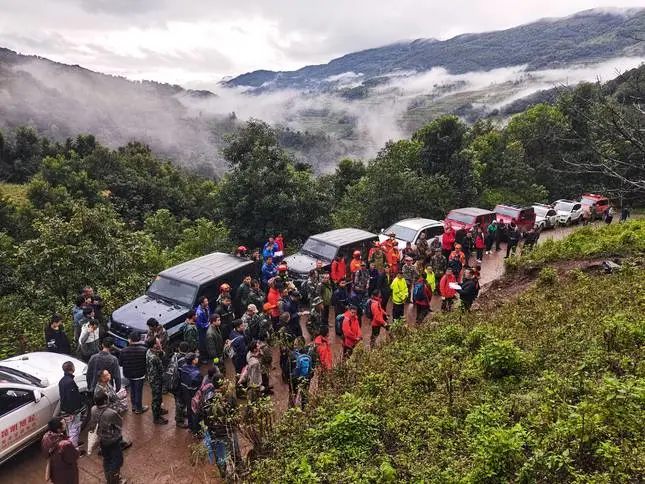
<point x="323" y="348"/>
<point x="338" y="269"/>
<point x="355" y="264"/>
<point x="379" y="318"/>
<point x="351" y="331"/>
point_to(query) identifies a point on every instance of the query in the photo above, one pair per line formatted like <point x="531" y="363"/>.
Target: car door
<point x="24" y="413"/>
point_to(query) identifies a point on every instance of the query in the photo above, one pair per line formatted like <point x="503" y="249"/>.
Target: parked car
<point x="523" y="217"/>
<point x="569" y="212"/>
<point x="594" y="205"/>
<point x="29" y="397"/>
<point x="466" y="218"/>
<point x="176" y="291"/>
<point x="545" y="216"/>
<point x="410" y="229"/>
<point x="325" y="247"/>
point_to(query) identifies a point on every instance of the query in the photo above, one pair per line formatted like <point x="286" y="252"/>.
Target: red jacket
<point x="444" y="288"/>
<point x="377" y="311"/>
<point x="427" y="291"/>
<point x="338" y="270"/>
<point x="324" y="351"/>
<point x="480" y="243"/>
<point x="448" y="239"/>
<point x="354" y="265"/>
<point x="273" y="297"/>
<point x="280" y="242"/>
<point x="351" y="330"/>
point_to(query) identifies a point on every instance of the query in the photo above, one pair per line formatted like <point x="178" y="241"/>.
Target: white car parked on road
<point x="545" y="216"/>
<point x="29" y="397"/>
<point x="410" y="229"/>
<point x="569" y="212"/>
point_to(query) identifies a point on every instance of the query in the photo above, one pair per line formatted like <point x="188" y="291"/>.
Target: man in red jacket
<point x="351" y="331"/>
<point x="379" y="319"/>
<point x="323" y="348"/>
<point x="447" y="293"/>
<point x="338" y="269"/>
<point x="447" y="241"/>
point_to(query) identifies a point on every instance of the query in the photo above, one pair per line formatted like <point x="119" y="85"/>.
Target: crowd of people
<point x="244" y="325"/>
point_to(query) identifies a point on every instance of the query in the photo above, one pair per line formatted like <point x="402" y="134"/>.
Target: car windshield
<point x="461" y="217"/>
<point x="319" y="249"/>
<point x="10" y="375"/>
<point x="173" y="290"/>
<point x="508" y="211"/>
<point x="567" y="207"/>
<point x="541" y="211"/>
<point x="402" y="233"/>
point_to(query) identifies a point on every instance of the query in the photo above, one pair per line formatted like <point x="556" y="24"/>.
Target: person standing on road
<point x="410" y="272"/>
<point x="383" y="284"/>
<point x="190" y="331"/>
<point x="379" y="319"/>
<point x="157" y="331"/>
<point x="203" y="313"/>
<point x="490" y="236"/>
<point x="447" y="293"/>
<point x="447" y="241"/>
<point x="173" y="376"/>
<point x="439" y="265"/>
<point x="339" y="298"/>
<point x="104" y="360"/>
<point x="514" y="235"/>
<point x="110" y="437"/>
<point x="400" y="294"/>
<point x="61" y="452"/>
<point x="469" y="290"/>
<point x="351" y="331"/>
<point x="55" y="338"/>
<point x="323" y="348"/>
<point x="215" y="342"/>
<point x="154" y="371"/>
<point x="609" y="215"/>
<point x="422" y="296"/>
<point x="624" y="214"/>
<point x="71" y="403"/>
<point x="480" y="245"/>
<point x="133" y="362"/>
<point x="89" y="339"/>
<point x="191" y="380"/>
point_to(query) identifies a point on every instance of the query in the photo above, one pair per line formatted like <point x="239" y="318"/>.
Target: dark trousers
<point x="112" y="462"/>
<point x="422" y="312"/>
<point x="202" y="342"/>
<point x="480" y="254"/>
<point x="325" y="316"/>
<point x="157" y="394"/>
<point x="398" y="310"/>
<point x="384" y="300"/>
<point x="193" y="420"/>
<point x="510" y="247"/>
<point x="180" y="408"/>
<point x="136" y="394"/>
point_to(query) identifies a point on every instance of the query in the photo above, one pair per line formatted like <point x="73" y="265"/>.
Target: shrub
<point x="498" y="359"/>
<point x="547" y="277"/>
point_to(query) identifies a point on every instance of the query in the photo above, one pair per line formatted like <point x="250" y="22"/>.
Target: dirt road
<point x="159" y="454"/>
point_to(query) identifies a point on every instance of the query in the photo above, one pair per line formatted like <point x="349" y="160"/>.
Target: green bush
<point x="498" y="359"/>
<point x="547" y="277"/>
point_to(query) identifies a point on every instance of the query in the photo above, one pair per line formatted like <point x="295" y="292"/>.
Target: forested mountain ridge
<point x="588" y="36"/>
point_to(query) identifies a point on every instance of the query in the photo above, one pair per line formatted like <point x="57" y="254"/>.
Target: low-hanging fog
<point x="188" y="126"/>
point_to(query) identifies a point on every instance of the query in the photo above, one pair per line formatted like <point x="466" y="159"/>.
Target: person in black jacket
<point x="55" y="338"/>
<point x="383" y="284"/>
<point x="514" y="235"/>
<point x="71" y="403"/>
<point x="133" y="361"/>
<point x="104" y="360"/>
<point x="469" y="290"/>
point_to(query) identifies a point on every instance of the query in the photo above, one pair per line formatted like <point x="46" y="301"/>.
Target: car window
<point x="461" y="217"/>
<point x="551" y="213"/>
<point x="602" y="203"/>
<point x="577" y="206"/>
<point x="566" y="207"/>
<point x="402" y="233"/>
<point x="508" y="211"/>
<point x="527" y="214"/>
<point x="432" y="232"/>
<point x="319" y="249"/>
<point x="173" y="290"/>
<point x="11" y="399"/>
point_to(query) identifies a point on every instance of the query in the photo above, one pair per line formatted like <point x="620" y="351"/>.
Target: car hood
<point x="47" y="367"/>
<point x="301" y="264"/>
<point x="564" y="212"/>
<point x="136" y="313"/>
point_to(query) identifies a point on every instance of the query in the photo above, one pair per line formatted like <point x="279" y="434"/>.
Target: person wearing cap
<point x="227" y="314"/>
<point x="190" y="382"/>
<point x="255" y="324"/>
<point x="315" y="320"/>
<point x="242" y="251"/>
<point x="410" y="272"/>
<point x="355" y="264"/>
<point x="338" y="269"/>
<point x="310" y="286"/>
<point x="351" y="331"/>
<point x="377" y="256"/>
<point x="423" y="247"/>
<point x="400" y="294"/>
<point x="339" y="298"/>
<point x="439" y="264"/>
<point x="283" y="275"/>
<point x="361" y="282"/>
<point x="215" y="342"/>
<point x="387" y="244"/>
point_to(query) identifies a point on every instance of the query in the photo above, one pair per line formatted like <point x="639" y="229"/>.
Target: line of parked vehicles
<point x="29" y="383"/>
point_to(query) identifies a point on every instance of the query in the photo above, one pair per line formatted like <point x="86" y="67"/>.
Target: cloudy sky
<point x="195" y="42"/>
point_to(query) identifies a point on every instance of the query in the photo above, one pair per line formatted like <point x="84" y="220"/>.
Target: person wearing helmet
<point x="224" y="291"/>
<point x="241" y="251"/>
<point x="456" y="261"/>
<point x="355" y="264"/>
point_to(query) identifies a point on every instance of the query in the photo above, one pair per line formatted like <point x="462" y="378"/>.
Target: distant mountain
<point x="589" y="36"/>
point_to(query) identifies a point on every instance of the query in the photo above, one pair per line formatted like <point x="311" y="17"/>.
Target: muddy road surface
<point x="160" y="453"/>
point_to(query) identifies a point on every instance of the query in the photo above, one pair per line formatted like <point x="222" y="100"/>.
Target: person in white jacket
<point x="89" y="340"/>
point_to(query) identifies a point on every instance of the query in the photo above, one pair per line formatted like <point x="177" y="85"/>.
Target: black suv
<point x="176" y="291"/>
<point x="324" y="247"/>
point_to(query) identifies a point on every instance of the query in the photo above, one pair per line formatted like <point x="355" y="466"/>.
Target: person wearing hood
<point x="61" y="453"/>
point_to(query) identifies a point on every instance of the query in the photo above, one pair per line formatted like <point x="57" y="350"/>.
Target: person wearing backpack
<point x="62" y="456"/>
<point x="422" y="295"/>
<point x="237" y="345"/>
<point x="108" y="424"/>
<point x="302" y="372"/>
<point x="252" y="375"/>
<point x="376" y="314"/>
<point x="315" y="319"/>
<point x="206" y="387"/>
<point x="172" y="383"/>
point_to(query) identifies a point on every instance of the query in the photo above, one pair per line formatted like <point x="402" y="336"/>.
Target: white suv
<point x="569" y="212"/>
<point x="410" y="229"/>
<point x="545" y="216"/>
<point x="29" y="397"/>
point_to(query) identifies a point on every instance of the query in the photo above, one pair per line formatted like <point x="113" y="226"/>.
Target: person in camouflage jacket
<point x="315" y="320"/>
<point x="154" y="371"/>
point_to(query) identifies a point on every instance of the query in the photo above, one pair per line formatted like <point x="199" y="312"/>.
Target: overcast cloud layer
<point x="197" y="41"/>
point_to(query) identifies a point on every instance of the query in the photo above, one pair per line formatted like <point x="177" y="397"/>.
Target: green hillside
<point x="548" y="388"/>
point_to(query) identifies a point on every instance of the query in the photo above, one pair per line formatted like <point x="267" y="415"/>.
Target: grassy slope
<point x="15" y="193"/>
<point x="550" y="388"/>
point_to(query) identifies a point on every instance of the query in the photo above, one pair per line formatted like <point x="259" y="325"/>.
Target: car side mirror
<point x="37" y="396"/>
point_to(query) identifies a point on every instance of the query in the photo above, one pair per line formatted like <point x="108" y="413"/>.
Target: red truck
<point x="523" y="217"/>
<point x="594" y="205"/>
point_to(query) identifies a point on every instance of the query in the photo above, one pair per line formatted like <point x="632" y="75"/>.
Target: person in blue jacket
<point x="270" y="248"/>
<point x="269" y="271"/>
<point x="203" y="313"/>
<point x="191" y="380"/>
<point x="238" y="343"/>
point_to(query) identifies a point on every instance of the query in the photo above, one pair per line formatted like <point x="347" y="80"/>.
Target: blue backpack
<point x="419" y="294"/>
<point x="339" y="324"/>
<point x="303" y="365"/>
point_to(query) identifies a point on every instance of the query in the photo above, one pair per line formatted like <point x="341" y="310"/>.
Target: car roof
<point x="594" y="196"/>
<point x="206" y="268"/>
<point x="472" y="211"/>
<point x="514" y="207"/>
<point x="341" y="237"/>
<point x="565" y="201"/>
<point x="43" y="365"/>
<point x="418" y="223"/>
